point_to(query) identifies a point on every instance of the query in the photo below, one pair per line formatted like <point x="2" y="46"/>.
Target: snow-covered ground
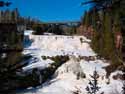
<point x="54" y="45"/>
<point x="60" y="45"/>
<point x="65" y="78"/>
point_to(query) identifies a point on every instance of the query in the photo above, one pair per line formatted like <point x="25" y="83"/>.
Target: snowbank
<point x="65" y="79"/>
<point x="40" y="64"/>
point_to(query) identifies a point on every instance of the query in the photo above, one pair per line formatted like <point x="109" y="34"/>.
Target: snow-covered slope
<point x="45" y="45"/>
<point x="65" y="79"/>
<point x="60" y="45"/>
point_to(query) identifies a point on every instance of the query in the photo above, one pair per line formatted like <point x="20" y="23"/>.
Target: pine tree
<point x="109" y="46"/>
<point x="38" y="29"/>
<point x="117" y="22"/>
<point x="93" y="87"/>
<point x="96" y="36"/>
<point x="111" y="14"/>
<point x="8" y="59"/>
<point x="116" y="30"/>
<point x="86" y="19"/>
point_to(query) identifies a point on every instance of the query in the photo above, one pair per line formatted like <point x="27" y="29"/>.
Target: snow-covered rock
<point x="40" y="64"/>
<point x="65" y="80"/>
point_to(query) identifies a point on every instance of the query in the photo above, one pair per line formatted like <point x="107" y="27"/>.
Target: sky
<point x="50" y="10"/>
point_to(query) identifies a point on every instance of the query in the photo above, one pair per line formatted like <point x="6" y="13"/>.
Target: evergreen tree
<point x="96" y="36"/>
<point x="86" y="19"/>
<point x="109" y="50"/>
<point x="38" y="29"/>
<point x="117" y="29"/>
<point x="116" y="21"/>
<point x="93" y="87"/>
<point x="10" y="39"/>
<point x="111" y="15"/>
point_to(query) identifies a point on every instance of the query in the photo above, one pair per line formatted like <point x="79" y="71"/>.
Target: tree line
<point x="104" y="22"/>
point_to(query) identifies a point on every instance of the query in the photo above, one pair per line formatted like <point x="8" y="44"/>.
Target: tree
<point x="15" y="15"/>
<point x="109" y="46"/>
<point x="2" y="4"/>
<point x="110" y="15"/>
<point x="101" y="4"/>
<point x="86" y="19"/>
<point x="93" y="87"/>
<point x="96" y="36"/>
<point x="117" y="27"/>
<point x="38" y="29"/>
<point x="123" y="88"/>
<point x="8" y="60"/>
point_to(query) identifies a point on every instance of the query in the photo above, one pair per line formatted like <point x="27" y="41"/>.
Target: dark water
<point x="26" y="42"/>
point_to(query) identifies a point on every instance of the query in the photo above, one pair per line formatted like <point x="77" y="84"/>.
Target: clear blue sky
<point x="50" y="10"/>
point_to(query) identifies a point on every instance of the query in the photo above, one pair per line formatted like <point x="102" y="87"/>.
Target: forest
<point x="104" y="24"/>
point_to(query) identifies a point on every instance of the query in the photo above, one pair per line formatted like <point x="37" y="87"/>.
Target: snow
<point x="55" y="45"/>
<point x="60" y="45"/>
<point x="28" y="32"/>
<point x="95" y="65"/>
<point x="39" y="65"/>
<point x="65" y="80"/>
